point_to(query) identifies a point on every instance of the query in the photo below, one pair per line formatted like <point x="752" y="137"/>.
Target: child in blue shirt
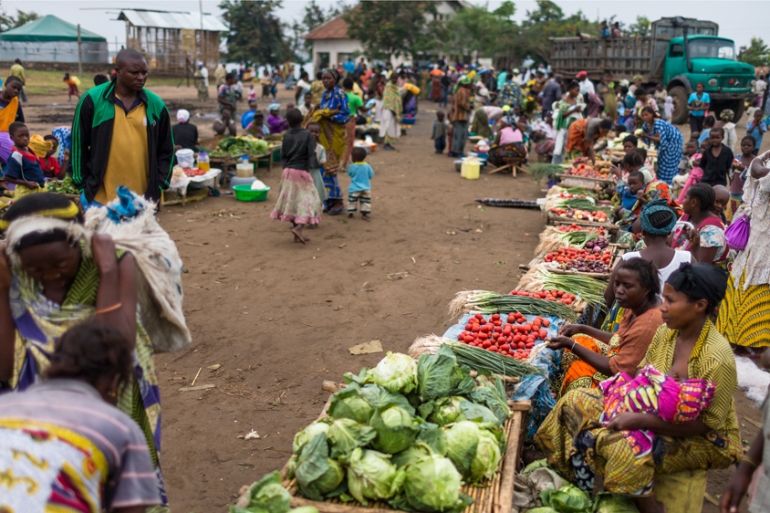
<point x="23" y="166"/>
<point x="360" y="189"/>
<point x="756" y="128"/>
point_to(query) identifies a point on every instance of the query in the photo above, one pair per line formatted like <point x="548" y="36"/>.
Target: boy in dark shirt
<point x="718" y="160"/>
<point x="23" y="167"/>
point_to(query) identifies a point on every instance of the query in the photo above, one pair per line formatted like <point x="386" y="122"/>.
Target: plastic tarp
<point x="50" y="28"/>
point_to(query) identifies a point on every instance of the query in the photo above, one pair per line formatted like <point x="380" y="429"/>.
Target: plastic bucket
<point x="245" y="193"/>
<point x="185" y="158"/>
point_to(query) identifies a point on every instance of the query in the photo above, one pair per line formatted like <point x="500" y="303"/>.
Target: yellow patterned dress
<point x="744" y="315"/>
<point x="579" y="447"/>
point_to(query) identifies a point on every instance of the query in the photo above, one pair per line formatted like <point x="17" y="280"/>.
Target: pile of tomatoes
<point x="512" y="336"/>
<point x="578" y="228"/>
<point x="558" y="296"/>
<point x="596" y="216"/>
<point x="569" y="254"/>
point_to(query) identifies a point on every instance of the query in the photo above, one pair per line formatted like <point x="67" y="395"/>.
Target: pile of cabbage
<point x="408" y="433"/>
<point x="267" y="496"/>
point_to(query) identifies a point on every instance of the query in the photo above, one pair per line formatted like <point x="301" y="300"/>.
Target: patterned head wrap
<point x="648" y="216"/>
<point x="700" y="281"/>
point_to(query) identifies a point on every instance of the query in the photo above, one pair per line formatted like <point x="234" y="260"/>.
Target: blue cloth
<point x="126" y="205"/>
<point x="247" y="118"/>
<point x="349" y="66"/>
<point x="703" y="137"/>
<point x="22" y="167"/>
<point x="361" y="175"/>
<point x="704" y="98"/>
<point x="335" y="99"/>
<point x="627" y="198"/>
<point x="669" y="148"/>
<point x="757" y="132"/>
<point x="333" y="191"/>
<point x="63" y="135"/>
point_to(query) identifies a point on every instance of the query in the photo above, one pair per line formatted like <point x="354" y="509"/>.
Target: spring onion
<point x="588" y="289"/>
<point x="487" y="361"/>
<point x="487" y="302"/>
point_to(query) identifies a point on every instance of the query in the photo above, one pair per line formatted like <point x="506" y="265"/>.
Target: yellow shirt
<point x="17" y="70"/>
<point x="128" y="161"/>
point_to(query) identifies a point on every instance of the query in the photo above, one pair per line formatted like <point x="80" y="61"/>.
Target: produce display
<point x="408" y="433"/>
<point x="267" y="496"/>
<point x="510" y="336"/>
<point x="559" y="296"/>
<point x="582" y="167"/>
<point x="585" y="239"/>
<point x="594" y="216"/>
<point x="587" y="288"/>
<point x="594" y="260"/>
<point x="64" y="186"/>
<point x="240" y="145"/>
<point x="488" y="302"/>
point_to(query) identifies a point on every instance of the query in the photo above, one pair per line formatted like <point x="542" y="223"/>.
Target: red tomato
<point x="543" y="333"/>
<point x="479" y="317"/>
<point x="546" y="322"/>
<point x="505" y="347"/>
<point x="521" y="345"/>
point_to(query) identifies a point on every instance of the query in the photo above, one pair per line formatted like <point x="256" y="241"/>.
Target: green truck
<point x="679" y="53"/>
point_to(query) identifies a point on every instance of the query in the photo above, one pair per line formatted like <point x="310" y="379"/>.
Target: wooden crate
<point x="496" y="497"/>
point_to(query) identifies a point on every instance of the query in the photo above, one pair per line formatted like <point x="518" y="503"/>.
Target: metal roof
<point x="172" y="20"/>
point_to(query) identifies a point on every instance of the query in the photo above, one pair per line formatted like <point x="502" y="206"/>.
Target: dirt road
<point x="272" y="319"/>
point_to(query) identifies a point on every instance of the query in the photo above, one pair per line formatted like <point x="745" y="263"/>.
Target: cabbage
<point x="542" y="509"/>
<point x="439" y="375"/>
<point x="411" y="455"/>
<point x="491" y="393"/>
<point x="567" y="499"/>
<point x="397" y="372"/>
<point x="371" y="475"/>
<point x="487" y="457"/>
<point x="304" y="509"/>
<point x="346" y="435"/>
<point x="478" y="413"/>
<point x="264" y="496"/>
<point x="304" y="436"/>
<point x="349" y="404"/>
<point x="446" y="411"/>
<point x="608" y="503"/>
<point x="474" y="450"/>
<point x="396" y="429"/>
<point x="432" y="483"/>
<point x="317" y="475"/>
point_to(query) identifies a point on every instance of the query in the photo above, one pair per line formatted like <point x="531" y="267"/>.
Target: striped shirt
<point x="63" y="424"/>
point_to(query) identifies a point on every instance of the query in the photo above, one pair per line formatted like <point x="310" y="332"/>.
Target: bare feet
<point x="297" y="232"/>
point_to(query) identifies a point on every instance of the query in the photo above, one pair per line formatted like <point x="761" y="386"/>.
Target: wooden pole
<point x="80" y="52"/>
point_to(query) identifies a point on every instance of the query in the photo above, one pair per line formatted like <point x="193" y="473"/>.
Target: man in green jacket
<point x="121" y="135"/>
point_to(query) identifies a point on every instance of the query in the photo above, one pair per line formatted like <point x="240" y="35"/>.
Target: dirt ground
<point x="272" y="319"/>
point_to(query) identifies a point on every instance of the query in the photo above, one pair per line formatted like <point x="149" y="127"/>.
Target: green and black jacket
<point x="92" y="135"/>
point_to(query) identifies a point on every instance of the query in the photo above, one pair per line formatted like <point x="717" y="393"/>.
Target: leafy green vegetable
<point x="542" y="509"/>
<point x="447" y="410"/>
<point x="487" y="457"/>
<point x="462" y="438"/>
<point x="241" y="145"/>
<point x="264" y="496"/>
<point x="397" y="372"/>
<point x="371" y="475"/>
<point x="317" y="474"/>
<point x="491" y="393"/>
<point x="608" y="503"/>
<point x="304" y="509"/>
<point x="396" y="429"/>
<point x="477" y="413"/>
<point x="414" y="453"/>
<point x="567" y="499"/>
<point x="349" y="404"/>
<point x="346" y="435"/>
<point x="304" y="436"/>
<point x="433" y="484"/>
<point x="439" y="375"/>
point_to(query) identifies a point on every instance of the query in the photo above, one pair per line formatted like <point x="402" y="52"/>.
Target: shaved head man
<point x="121" y="136"/>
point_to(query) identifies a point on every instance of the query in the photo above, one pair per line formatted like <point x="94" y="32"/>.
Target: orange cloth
<point x="626" y="349"/>
<point x="576" y="134"/>
<point x="8" y="114"/>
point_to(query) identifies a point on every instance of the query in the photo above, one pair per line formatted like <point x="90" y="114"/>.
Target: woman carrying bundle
<point x="51" y="278"/>
<point x="580" y="445"/>
<point x="595" y="354"/>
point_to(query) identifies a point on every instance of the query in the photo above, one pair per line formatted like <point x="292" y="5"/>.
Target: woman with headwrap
<point x="390" y="117"/>
<point x="595" y="354"/>
<point x="579" y="444"/>
<point x="55" y="273"/>
<point x="185" y="133"/>
<point x="277" y="124"/>
<point x="480" y="124"/>
<point x="744" y="316"/>
<point x="669" y="141"/>
<point x="332" y="115"/>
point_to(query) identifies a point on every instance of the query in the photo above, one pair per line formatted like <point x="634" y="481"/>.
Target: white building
<point x="331" y="44"/>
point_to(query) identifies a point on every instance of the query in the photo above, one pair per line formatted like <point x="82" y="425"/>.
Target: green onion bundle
<point x="483" y="360"/>
<point x="487" y="302"/>
<point x="588" y="289"/>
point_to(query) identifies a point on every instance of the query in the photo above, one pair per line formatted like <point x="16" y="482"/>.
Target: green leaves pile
<point x="267" y="496"/>
<point x="408" y="433"/>
<point x="241" y="145"/>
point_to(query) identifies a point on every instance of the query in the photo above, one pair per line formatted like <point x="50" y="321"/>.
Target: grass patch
<point x="44" y="82"/>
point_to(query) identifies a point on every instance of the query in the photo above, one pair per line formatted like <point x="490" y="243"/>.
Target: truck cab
<point x="709" y="60"/>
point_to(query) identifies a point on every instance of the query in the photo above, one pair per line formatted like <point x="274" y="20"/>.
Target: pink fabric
<point x="510" y="136"/>
<point x="298" y="201"/>
<point x="696" y="175"/>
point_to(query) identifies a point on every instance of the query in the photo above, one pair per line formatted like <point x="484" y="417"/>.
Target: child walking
<point x="298" y="202"/>
<point x="360" y="190"/>
<point x="438" y="133"/>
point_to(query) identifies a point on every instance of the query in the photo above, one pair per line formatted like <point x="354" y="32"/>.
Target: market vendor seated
<point x="275" y="122"/>
<point x="583" y="134"/>
<point x="258" y="128"/>
<point x="508" y="147"/>
<point x="185" y="133"/>
<point x="594" y="354"/>
<point x="580" y="444"/>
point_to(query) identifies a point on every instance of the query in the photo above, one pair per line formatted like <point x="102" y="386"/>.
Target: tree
<point x="256" y="33"/>
<point x="390" y="28"/>
<point x="641" y="27"/>
<point x="7" y="22"/>
<point x="314" y="16"/>
<point x="545" y="22"/>
<point x="478" y="30"/>
<point x="757" y="54"/>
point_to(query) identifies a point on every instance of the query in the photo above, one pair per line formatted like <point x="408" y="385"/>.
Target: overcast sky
<point x="738" y="19"/>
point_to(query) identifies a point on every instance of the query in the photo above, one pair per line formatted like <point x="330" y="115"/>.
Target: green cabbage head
<point x="396" y="373"/>
<point x="304" y="436"/>
<point x="396" y="429"/>
<point x="372" y="476"/>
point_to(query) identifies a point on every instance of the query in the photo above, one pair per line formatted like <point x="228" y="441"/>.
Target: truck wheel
<point x="679" y="94"/>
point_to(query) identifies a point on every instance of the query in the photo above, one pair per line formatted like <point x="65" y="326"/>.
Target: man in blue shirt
<point x="349" y="66"/>
<point x="698" y="103"/>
